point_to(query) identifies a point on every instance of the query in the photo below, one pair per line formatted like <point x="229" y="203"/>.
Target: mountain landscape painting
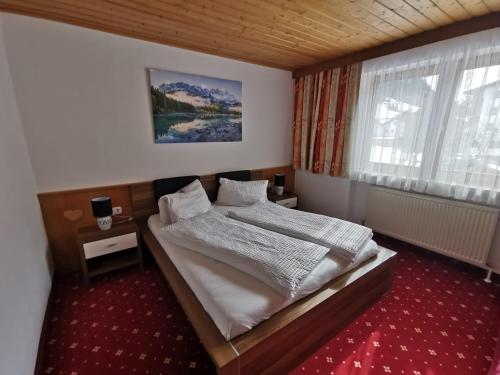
<point x="193" y="108"/>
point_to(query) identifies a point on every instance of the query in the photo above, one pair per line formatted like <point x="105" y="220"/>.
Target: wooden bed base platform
<point x="282" y="342"/>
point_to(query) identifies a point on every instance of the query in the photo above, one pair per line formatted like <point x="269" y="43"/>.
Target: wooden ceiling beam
<point x="324" y="17"/>
<point x="407" y="11"/>
<point x="429" y="9"/>
<point x="252" y="17"/>
<point x="454" y="9"/>
<point x="493" y="5"/>
<point x="202" y="16"/>
<point x="488" y="21"/>
<point x="280" y="18"/>
<point x="365" y="14"/>
<point x="385" y="13"/>
<point x="475" y="8"/>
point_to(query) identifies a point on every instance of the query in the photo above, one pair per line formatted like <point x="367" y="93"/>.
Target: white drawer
<point x="109" y="245"/>
<point x="289" y="202"/>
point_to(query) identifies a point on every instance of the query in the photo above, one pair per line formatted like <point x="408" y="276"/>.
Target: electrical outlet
<point x="117" y="210"/>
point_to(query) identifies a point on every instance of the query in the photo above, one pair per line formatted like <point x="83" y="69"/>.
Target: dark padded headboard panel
<point x="171" y="185"/>
<point x="245" y="175"/>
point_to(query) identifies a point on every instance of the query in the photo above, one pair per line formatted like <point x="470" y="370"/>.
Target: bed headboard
<point x="170" y="185"/>
<point x="244" y="175"/>
<point x="144" y="195"/>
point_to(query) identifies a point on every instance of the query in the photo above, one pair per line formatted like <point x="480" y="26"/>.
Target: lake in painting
<point x="192" y="108"/>
<point x="189" y="127"/>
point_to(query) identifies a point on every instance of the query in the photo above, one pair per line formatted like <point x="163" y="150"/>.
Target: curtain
<point x="428" y="120"/>
<point x="324" y="104"/>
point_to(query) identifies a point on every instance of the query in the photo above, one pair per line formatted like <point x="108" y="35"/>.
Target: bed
<point x="265" y="334"/>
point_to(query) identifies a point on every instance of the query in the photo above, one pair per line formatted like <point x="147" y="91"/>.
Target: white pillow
<point x="186" y="205"/>
<point x="193" y="186"/>
<point x="180" y="200"/>
<point x="241" y="193"/>
<point x="162" y="205"/>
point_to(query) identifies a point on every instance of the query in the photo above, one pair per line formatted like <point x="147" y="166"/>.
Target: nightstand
<point x="105" y="251"/>
<point x="289" y="200"/>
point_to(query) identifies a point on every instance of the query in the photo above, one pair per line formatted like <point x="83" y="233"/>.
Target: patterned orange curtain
<point x="324" y="106"/>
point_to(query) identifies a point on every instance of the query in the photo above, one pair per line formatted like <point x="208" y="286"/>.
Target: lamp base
<point x="104" y="223"/>
<point x="279" y="190"/>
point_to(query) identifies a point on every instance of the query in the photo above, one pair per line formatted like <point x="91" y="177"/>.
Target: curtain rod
<point x="488" y="21"/>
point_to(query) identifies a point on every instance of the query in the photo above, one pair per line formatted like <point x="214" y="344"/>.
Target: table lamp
<point x="279" y="184"/>
<point x="102" y="210"/>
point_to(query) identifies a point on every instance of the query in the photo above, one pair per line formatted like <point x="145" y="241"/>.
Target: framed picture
<point x="193" y="108"/>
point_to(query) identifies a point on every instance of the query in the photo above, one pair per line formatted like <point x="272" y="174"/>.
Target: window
<point x="396" y="123"/>
<point x="471" y="153"/>
<point x="428" y="120"/>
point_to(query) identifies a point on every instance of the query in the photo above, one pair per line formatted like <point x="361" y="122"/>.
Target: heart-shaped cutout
<point x="73" y="215"/>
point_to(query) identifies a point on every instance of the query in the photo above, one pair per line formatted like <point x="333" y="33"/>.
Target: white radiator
<point x="460" y="230"/>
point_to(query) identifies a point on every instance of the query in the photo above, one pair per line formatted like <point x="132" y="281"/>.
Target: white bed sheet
<point x="236" y="301"/>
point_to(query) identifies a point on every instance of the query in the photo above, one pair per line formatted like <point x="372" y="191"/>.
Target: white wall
<point x="24" y="270"/>
<point x="333" y="196"/>
<point x="347" y="200"/>
<point x="84" y="100"/>
<point x="323" y="194"/>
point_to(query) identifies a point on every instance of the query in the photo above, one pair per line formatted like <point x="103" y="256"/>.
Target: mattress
<point x="236" y="301"/>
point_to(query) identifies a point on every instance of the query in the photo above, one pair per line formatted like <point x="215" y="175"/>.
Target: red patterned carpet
<point x="440" y="318"/>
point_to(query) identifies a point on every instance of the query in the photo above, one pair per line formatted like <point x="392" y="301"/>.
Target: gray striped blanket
<point x="342" y="237"/>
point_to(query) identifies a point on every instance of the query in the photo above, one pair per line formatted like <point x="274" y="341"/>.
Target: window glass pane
<point x="470" y="154"/>
<point x="401" y="117"/>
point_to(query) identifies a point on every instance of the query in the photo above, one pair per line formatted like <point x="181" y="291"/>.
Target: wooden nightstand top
<point x="93" y="233"/>
<point x="273" y="197"/>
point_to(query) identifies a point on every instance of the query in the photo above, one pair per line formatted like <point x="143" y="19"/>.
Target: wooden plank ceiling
<point x="287" y="34"/>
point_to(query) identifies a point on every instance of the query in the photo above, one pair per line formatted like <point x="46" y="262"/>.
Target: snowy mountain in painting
<point x="198" y="96"/>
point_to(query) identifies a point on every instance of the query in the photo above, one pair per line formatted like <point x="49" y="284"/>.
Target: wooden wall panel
<point x="65" y="211"/>
<point x="142" y="199"/>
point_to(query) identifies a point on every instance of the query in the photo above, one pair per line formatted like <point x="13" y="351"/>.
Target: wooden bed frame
<point x="276" y="345"/>
<point x="280" y="343"/>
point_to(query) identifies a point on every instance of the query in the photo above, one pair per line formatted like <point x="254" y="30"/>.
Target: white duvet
<point x="236" y="301"/>
<point x="280" y="261"/>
